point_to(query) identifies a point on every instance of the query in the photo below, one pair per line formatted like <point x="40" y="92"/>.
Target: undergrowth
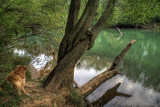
<point x="9" y="96"/>
<point x="76" y="99"/>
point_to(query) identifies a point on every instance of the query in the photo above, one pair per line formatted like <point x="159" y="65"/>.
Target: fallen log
<point x="91" y="85"/>
<point x="86" y="99"/>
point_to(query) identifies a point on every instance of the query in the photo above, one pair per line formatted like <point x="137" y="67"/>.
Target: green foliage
<point x="133" y="13"/>
<point x="137" y="12"/>
<point x="76" y="99"/>
<point x="20" y="20"/>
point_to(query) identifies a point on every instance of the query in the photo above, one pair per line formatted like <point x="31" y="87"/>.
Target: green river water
<point x="140" y="67"/>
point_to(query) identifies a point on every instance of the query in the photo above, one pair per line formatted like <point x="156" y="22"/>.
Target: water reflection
<point x="37" y="63"/>
<point x="109" y="95"/>
<point x="40" y="61"/>
<point x="141" y="96"/>
<point x="142" y="58"/>
<point x="140" y="67"/>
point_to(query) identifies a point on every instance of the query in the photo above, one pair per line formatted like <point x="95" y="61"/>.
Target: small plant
<point x="76" y="99"/>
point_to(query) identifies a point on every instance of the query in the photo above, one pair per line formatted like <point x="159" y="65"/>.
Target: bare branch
<point x="73" y="15"/>
<point x="76" y="84"/>
<point x="90" y="86"/>
<point x="121" y="55"/>
<point x="120" y="33"/>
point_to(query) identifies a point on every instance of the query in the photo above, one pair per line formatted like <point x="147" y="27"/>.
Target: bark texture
<point x="73" y="15"/>
<point x="79" y="30"/>
<point x="64" y="71"/>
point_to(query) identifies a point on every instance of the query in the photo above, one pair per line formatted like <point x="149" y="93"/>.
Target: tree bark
<point x="79" y="30"/>
<point x="74" y="43"/>
<point x="73" y="15"/>
<point x="104" y="19"/>
<point x="62" y="75"/>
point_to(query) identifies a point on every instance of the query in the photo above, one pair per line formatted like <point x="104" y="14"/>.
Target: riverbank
<point x="131" y="26"/>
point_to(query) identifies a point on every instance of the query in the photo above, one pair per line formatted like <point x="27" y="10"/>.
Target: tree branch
<point x="121" y="55"/>
<point x="73" y="15"/>
<point x="79" y="30"/>
<point x="88" y="15"/>
<point x="120" y="33"/>
<point x="90" y="86"/>
<point x="86" y="19"/>
<point x="103" y="21"/>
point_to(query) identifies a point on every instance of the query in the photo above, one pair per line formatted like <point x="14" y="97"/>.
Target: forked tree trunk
<point x="76" y="41"/>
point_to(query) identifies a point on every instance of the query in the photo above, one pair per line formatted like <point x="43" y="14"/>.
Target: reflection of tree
<point x="109" y="95"/>
<point x="94" y="61"/>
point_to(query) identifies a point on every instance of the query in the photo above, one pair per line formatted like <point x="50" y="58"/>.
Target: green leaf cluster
<point x="137" y="12"/>
<point x="20" y="19"/>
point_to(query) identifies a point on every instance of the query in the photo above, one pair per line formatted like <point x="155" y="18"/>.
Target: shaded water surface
<point x="140" y="67"/>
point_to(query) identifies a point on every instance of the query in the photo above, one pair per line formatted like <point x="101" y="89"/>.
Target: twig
<point x="120" y="33"/>
<point x="75" y="82"/>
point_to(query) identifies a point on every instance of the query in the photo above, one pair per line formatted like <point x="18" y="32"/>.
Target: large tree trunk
<point x="76" y="41"/>
<point x="62" y="75"/>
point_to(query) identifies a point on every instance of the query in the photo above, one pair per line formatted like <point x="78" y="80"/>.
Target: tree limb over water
<point x="94" y="83"/>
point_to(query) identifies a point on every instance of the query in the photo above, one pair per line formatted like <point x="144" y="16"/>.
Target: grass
<point x="76" y="99"/>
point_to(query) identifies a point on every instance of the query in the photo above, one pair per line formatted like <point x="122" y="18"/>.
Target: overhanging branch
<point x="121" y="55"/>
